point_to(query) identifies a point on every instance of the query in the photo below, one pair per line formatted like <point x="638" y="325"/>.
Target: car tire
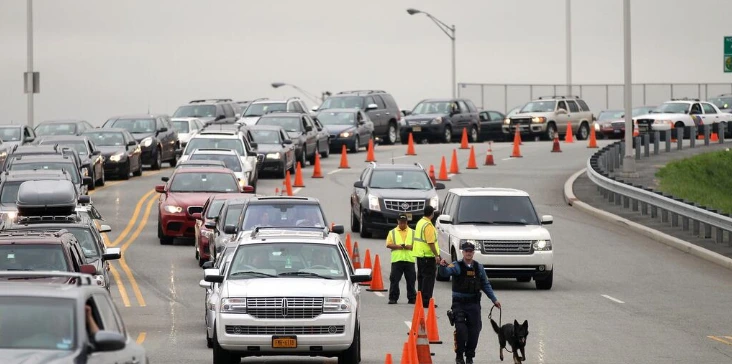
<point x="93" y="185"/>
<point x="391" y="133"/>
<point x="583" y="132"/>
<point x="355" y="227"/>
<point x="474" y="136"/>
<point x="222" y="356"/>
<point x="356" y="145"/>
<point x="158" y="161"/>
<point x="209" y="341"/>
<point x="545" y="283"/>
<point x="312" y="159"/>
<point x="128" y="167"/>
<point x="174" y="160"/>
<point x="352" y="355"/>
<point x="326" y="152"/>
<point x="303" y="160"/>
<point x="364" y="232"/>
<point x="102" y="180"/>
<point x="164" y="240"/>
<point x="551" y="130"/>
<point x="138" y="172"/>
<point x="447" y="135"/>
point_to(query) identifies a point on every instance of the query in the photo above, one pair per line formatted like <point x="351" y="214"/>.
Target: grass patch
<point x="705" y="179"/>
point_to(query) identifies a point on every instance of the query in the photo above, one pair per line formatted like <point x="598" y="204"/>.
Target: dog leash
<point x="500" y="323"/>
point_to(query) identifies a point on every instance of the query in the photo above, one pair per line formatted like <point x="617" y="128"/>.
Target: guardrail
<point x="703" y="221"/>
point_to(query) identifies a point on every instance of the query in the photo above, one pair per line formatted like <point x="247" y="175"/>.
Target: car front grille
<point x="285" y="330"/>
<point x="195" y="209"/>
<point x="285" y="307"/>
<point x="512" y="247"/>
<point x="644" y="125"/>
<point x="520" y="121"/>
<point x="404" y="205"/>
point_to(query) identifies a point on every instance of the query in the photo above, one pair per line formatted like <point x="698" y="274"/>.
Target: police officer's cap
<point x="467" y="246"/>
<point x="402" y="217"/>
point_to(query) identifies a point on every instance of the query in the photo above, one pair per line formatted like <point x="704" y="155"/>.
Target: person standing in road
<point x="468" y="280"/>
<point x="427" y="254"/>
<point x="400" y="240"/>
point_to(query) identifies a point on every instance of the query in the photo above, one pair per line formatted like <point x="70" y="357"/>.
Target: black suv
<point x="207" y="110"/>
<point x="301" y="128"/>
<point x="380" y="106"/>
<point x="156" y="135"/>
<point x="62" y="127"/>
<point x="385" y="191"/>
<point x="92" y="161"/>
<point x="442" y="120"/>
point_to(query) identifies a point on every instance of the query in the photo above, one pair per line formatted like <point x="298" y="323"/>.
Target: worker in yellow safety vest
<point x="401" y="240"/>
<point x="427" y="253"/>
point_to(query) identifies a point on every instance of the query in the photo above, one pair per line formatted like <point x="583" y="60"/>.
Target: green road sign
<point x="728" y="54"/>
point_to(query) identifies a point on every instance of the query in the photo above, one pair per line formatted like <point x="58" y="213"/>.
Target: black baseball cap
<point x="403" y="217"/>
<point x="467" y="246"/>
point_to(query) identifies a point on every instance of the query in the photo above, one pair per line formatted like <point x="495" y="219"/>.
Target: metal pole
<point x="569" y="47"/>
<point x="454" y="85"/>
<point x="30" y="77"/>
<point x="628" y="161"/>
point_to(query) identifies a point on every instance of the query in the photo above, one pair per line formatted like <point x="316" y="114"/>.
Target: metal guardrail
<point x="704" y="222"/>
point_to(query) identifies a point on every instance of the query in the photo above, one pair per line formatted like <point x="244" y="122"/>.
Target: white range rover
<point x="288" y="292"/>
<point x="510" y="239"/>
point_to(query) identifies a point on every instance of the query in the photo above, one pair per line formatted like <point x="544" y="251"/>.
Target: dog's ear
<point x="525" y="324"/>
<point x="515" y="323"/>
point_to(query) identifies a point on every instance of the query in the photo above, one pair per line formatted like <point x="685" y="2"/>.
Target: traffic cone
<point x="636" y="132"/>
<point x="406" y="359"/>
<point x="454" y="163"/>
<point x="432" y="174"/>
<point x="517" y="135"/>
<point x="555" y="146"/>
<point x="370" y="152"/>
<point x="714" y="137"/>
<point x="433" y="334"/>
<point x="568" y="137"/>
<point x="277" y="191"/>
<point x="471" y="159"/>
<point x="366" y="264"/>
<point x="317" y="173"/>
<point x="344" y="158"/>
<point x="516" y="149"/>
<point x="424" y="356"/>
<point x="387" y="360"/>
<point x="298" y="176"/>
<point x="413" y="348"/>
<point x="348" y="246"/>
<point x="443" y="171"/>
<point x="410" y="146"/>
<point x="417" y="312"/>
<point x="356" y="256"/>
<point x="464" y="140"/>
<point x="593" y="139"/>
<point x="377" y="283"/>
<point x="288" y="184"/>
<point x="489" y="156"/>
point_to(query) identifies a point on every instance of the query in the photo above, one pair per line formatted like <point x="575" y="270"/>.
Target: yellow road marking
<point x="123" y="262"/>
<point x="120" y="285"/>
<point x="141" y="338"/>
<point x="133" y="219"/>
<point x="717" y="338"/>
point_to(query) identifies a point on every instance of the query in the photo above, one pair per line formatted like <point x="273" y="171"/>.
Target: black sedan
<point x="156" y="135"/>
<point x="275" y="147"/>
<point x="122" y="153"/>
<point x="92" y="161"/>
<point x="491" y="125"/>
<point x="349" y="127"/>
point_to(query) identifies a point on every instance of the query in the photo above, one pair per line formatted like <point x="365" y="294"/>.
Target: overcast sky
<point x="101" y="58"/>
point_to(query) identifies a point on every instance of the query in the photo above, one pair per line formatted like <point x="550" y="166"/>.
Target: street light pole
<point x="307" y="94"/>
<point x="450" y="32"/>
<point x="628" y="159"/>
<point x="569" y="47"/>
<point x="29" y="78"/>
<point x="454" y="82"/>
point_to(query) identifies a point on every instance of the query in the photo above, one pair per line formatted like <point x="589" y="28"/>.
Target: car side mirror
<point x="165" y="179"/>
<point x="309" y="128"/>
<point x="212" y="275"/>
<point x="162" y="130"/>
<point x="445" y="219"/>
<point x="314" y="108"/>
<point x="105" y="229"/>
<point x="112" y="254"/>
<point x="132" y="143"/>
<point x="109" y="341"/>
<point x="361" y="122"/>
<point x="88" y="269"/>
<point x="86" y="180"/>
<point x="247" y="189"/>
<point x="547" y="220"/>
<point x="84" y="199"/>
<point x="358" y="184"/>
<point x="209" y="224"/>
<point x="220" y="117"/>
<point x="483" y="117"/>
<point x="254" y="145"/>
<point x="406" y="112"/>
<point x="439" y="186"/>
<point x="287" y="141"/>
<point x="208" y="265"/>
<point x="196" y="215"/>
<point x="160" y="188"/>
<point x="230" y="229"/>
<point x="30" y="140"/>
<point x="203" y="284"/>
<point x="371" y="107"/>
<point x="338" y="229"/>
<point x="96" y="152"/>
<point x="361" y="275"/>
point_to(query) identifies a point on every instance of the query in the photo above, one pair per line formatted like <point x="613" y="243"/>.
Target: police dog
<point x="515" y="335"/>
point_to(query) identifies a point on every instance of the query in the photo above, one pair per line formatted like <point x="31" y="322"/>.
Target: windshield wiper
<point x="305" y="274"/>
<point x="508" y="222"/>
<point x="255" y="273"/>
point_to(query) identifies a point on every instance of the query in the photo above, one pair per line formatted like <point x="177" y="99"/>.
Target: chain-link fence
<point x="503" y="97"/>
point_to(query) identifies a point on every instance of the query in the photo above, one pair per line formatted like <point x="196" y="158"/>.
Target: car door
<point x="251" y="154"/>
<point x="442" y="229"/>
<point x="134" y="152"/>
<point x="561" y="118"/>
<point x="364" y="125"/>
<point x="696" y="115"/>
<point x="95" y="156"/>
<point x="711" y="116"/>
<point x="322" y="135"/>
<point x="463" y="118"/>
<point x="289" y="149"/>
<point x="380" y="123"/>
<point x="359" y="193"/>
<point x="110" y="320"/>
<point x="386" y="114"/>
<point x="311" y="136"/>
<point x="575" y="116"/>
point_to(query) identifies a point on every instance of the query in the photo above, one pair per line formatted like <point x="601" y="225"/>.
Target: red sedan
<point x="211" y="211"/>
<point x="184" y="195"/>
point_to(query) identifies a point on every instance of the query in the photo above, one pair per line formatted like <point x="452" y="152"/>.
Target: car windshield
<point x="204" y="182"/>
<point x="642" y="110"/>
<point x="290" y="124"/>
<point x="343" y="102"/>
<point x="181" y="126"/>
<point x="37" y="323"/>
<point x="291" y="260"/>
<point x="513" y="111"/>
<point x="78" y="145"/>
<point x="9" y="193"/>
<point x="267" y="136"/>
<point x="33" y="257"/>
<point x="195" y="111"/>
<point x="143" y="126"/>
<point x="610" y="115"/>
<point x="538" y="106"/>
<point x="432" y="107"/>
<point x="215" y="143"/>
<point x="214" y="210"/>
<point x="48" y="166"/>
<point x="282" y="215"/>
<point x="720" y="102"/>
<point x="496" y="210"/>
<point x="672" y="108"/>
<point x="86" y="240"/>
<point x="106" y="138"/>
<point x="413" y="180"/>
<point x="10" y="134"/>
<point x="232" y="162"/>
<point x="337" y="118"/>
<point x="262" y="108"/>
<point x="56" y="129"/>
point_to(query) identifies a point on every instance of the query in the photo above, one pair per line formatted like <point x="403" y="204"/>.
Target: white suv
<point x="506" y="230"/>
<point x="288" y="292"/>
<point x="226" y="139"/>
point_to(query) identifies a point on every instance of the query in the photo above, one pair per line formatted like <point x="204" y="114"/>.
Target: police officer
<point x="469" y="279"/>
<point x="427" y="253"/>
<point x="400" y="240"/>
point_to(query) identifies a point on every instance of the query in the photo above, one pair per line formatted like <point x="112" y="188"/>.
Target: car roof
<point x="183" y="119"/>
<point x="189" y="162"/>
<point x="262" y="200"/>
<point x="488" y="191"/>
<point x="290" y="235"/>
<point x="23" y="175"/>
<point x="341" y="109"/>
<point x="104" y="130"/>
<point x="11" y="125"/>
<point x="204" y="170"/>
<point x="37" y="237"/>
<point x="281" y="114"/>
<point x="268" y="101"/>
<point x="138" y="116"/>
<point x="32" y="158"/>
<point x="441" y="100"/>
<point x="62" y="121"/>
<point x="397" y="167"/>
<point x="211" y="134"/>
<point x="214" y="151"/>
<point x="265" y="127"/>
<point x="50" y="289"/>
<point x="226" y="196"/>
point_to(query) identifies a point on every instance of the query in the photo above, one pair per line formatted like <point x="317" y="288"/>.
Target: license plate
<point x="617" y="131"/>
<point x="416" y="128"/>
<point x="409" y="217"/>
<point x="284" y="342"/>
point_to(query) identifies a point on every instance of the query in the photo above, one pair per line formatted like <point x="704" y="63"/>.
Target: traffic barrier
<point x="344" y="158"/>
<point x="377" y="282"/>
<point x="454" y="163"/>
<point x="593" y="139"/>
<point x="555" y="146"/>
<point x="298" y="176"/>
<point x="471" y="159"/>
<point x="370" y="152"/>
<point x="424" y="356"/>
<point x="443" y="171"/>
<point x="464" y="140"/>
<point x="568" y="138"/>
<point x="366" y="264"/>
<point x="432" y="174"/>
<point x="356" y="256"/>
<point x="489" y="156"/>
<point x="317" y="173"/>
<point x="516" y="141"/>
<point x="349" y="250"/>
<point x="410" y="146"/>
<point x="433" y="334"/>
<point x="288" y="184"/>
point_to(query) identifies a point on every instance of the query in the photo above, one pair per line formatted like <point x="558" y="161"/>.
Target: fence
<point x="503" y="97"/>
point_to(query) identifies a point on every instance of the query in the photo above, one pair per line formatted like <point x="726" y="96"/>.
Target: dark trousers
<point x="397" y="270"/>
<point x="426" y="274"/>
<point x="467" y="328"/>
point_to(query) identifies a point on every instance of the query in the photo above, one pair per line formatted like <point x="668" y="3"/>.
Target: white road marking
<point x="451" y="175"/>
<point x="295" y="191"/>
<point x="613" y="299"/>
<point x="379" y="294"/>
<point x="334" y="171"/>
<point x="507" y="159"/>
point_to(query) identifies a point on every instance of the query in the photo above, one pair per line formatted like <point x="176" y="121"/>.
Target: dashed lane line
<point x="613" y="299"/>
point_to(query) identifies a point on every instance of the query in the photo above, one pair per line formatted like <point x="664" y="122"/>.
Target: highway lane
<point x="617" y="297"/>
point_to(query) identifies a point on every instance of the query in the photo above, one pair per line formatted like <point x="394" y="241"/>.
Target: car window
<point x="217" y="143"/>
<point x="294" y="260"/>
<point x="228" y="110"/>
<point x="572" y="106"/>
<point x="37" y="324"/>
<point x="708" y="108"/>
<point x="282" y="215"/>
<point x="106" y="313"/>
<point x="232" y="214"/>
<point x="471" y="106"/>
<point x="561" y="105"/>
<point x="89" y="246"/>
<point x="511" y="210"/>
<point x="56" y="129"/>
<point x="447" y="203"/>
<point x="33" y="257"/>
<point x="495" y="115"/>
<point x="215" y="209"/>
<point x="394" y="179"/>
<point x="463" y="106"/>
<point x="583" y="104"/>
<point x="289" y="123"/>
<point x="379" y="102"/>
<point x="231" y="161"/>
<point x="368" y="101"/>
<point x="695" y="109"/>
<point x="267" y="136"/>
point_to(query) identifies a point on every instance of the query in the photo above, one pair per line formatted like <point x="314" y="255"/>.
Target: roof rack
<point x="684" y="99"/>
<point x="290" y="198"/>
<point x="257" y="229"/>
<point x="209" y="100"/>
<point x="362" y="92"/>
<point x="35" y="233"/>
<point x="48" y="219"/>
<point x="83" y="278"/>
<point x="259" y="99"/>
<point x="558" y="97"/>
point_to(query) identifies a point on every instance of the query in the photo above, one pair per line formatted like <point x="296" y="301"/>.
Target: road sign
<point x="728" y="54"/>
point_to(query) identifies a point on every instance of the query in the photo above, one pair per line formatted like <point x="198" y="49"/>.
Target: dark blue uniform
<point x="467" y="284"/>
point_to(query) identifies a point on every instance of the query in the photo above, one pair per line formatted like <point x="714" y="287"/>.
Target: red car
<point x="182" y="198"/>
<point x="211" y="211"/>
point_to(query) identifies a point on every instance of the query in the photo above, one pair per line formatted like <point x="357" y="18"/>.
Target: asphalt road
<point x="617" y="297"/>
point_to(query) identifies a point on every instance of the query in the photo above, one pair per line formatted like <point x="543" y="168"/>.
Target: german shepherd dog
<point x="515" y="335"/>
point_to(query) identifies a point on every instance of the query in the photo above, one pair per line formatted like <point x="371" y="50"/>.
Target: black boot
<point x="459" y="359"/>
<point x="468" y="360"/>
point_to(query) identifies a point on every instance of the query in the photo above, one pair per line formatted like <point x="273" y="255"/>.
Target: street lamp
<point x="309" y="95"/>
<point x="450" y="32"/>
<point x="628" y="160"/>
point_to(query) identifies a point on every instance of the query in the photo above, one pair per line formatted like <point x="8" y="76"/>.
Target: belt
<point x="475" y="299"/>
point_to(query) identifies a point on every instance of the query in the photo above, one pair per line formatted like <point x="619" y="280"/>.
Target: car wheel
<point x="102" y="180"/>
<point x="164" y="240"/>
<point x="326" y="152"/>
<point x="352" y="354"/>
<point x="174" y="160"/>
<point x="355" y="227"/>
<point x="447" y="135"/>
<point x="551" y="130"/>
<point x="584" y="132"/>
<point x="474" y="136"/>
<point x="391" y="134"/>
<point x="356" y="146"/>
<point x="362" y="228"/>
<point x="126" y="175"/>
<point x="138" y="172"/>
<point x="312" y="159"/>
<point x="303" y="159"/>
<point x="545" y="283"/>
<point x="93" y="184"/>
<point x="222" y="356"/>
<point x="157" y="163"/>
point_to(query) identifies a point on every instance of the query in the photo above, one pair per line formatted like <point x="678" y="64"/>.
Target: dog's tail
<point x="495" y="327"/>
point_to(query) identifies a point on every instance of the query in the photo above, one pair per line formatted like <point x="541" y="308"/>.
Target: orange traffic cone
<point x="277" y="191"/>
<point x="555" y="146"/>
<point x="377" y="283"/>
<point x="370" y="152"/>
<point x="298" y="176"/>
<point x="348" y="246"/>
<point x="636" y="132"/>
<point x="516" y="149"/>
<point x="388" y="359"/>
<point x="593" y="139"/>
<point x="714" y="137"/>
<point x="317" y="173"/>
<point x="471" y="159"/>
<point x="344" y="158"/>
<point x="413" y="348"/>
<point x="489" y="156"/>
<point x="410" y="146"/>
<point x="433" y="334"/>
<point x="432" y="174"/>
<point x="464" y="140"/>
<point x="454" y="163"/>
<point x="417" y="313"/>
<point x="288" y="184"/>
<point x="443" y="172"/>
<point x="356" y="256"/>
<point x="406" y="359"/>
<point x="568" y="137"/>
<point x="424" y="356"/>
<point x="517" y="137"/>
<point x="366" y="264"/>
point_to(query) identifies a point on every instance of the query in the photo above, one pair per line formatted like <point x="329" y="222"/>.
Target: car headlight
<point x="274" y="155"/>
<point x="374" y="203"/>
<point x="538" y="119"/>
<point x="437" y="120"/>
<point x="597" y="127"/>
<point x="11" y="215"/>
<point x="346" y="134"/>
<point x="233" y="305"/>
<point x="173" y="209"/>
<point x="542" y="245"/>
<point x="99" y="279"/>
<point x="478" y="247"/>
<point x="207" y="234"/>
<point x="434" y="201"/>
<point x="506" y="121"/>
<point x="663" y="122"/>
<point x="336" y="305"/>
<point x="117" y="157"/>
<point x="85" y="171"/>
<point x="146" y="142"/>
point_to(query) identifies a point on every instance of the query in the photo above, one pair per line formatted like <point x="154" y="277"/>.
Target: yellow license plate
<point x="416" y="128"/>
<point x="409" y="217"/>
<point x="284" y="342"/>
